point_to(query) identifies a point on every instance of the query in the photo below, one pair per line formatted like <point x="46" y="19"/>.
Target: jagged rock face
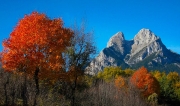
<point x="102" y="60"/>
<point x="143" y="39"/>
<point x="117" y="42"/>
<point x="145" y="49"/>
<point x="112" y="55"/>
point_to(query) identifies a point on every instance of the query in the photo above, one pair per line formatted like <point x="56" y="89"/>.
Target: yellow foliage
<point x="173" y="76"/>
<point x="128" y="72"/>
<point x="110" y="73"/>
<point x="177" y="85"/>
<point x="157" y="75"/>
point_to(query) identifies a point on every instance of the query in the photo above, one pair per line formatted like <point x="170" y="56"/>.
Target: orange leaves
<point x="145" y="82"/>
<point x="36" y="41"/>
<point x="120" y="82"/>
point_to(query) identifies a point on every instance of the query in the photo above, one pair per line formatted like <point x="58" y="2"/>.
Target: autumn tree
<point x="35" y="47"/>
<point x="77" y="57"/>
<point x="144" y="81"/>
<point x="128" y="72"/>
<point x="170" y="88"/>
<point x="120" y="82"/>
<point x="110" y="73"/>
<point x="158" y="75"/>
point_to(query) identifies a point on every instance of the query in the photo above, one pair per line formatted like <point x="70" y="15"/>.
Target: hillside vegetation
<point x="45" y="64"/>
<point x="113" y="86"/>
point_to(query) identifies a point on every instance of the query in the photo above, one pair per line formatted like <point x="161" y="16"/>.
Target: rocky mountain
<point x="146" y="49"/>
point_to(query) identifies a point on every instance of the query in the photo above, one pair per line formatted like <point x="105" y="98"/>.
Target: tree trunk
<point x="5" y="91"/>
<point x="13" y="96"/>
<point x="36" y="79"/>
<point x="73" y="97"/>
<point x="24" y="90"/>
<point x="73" y="92"/>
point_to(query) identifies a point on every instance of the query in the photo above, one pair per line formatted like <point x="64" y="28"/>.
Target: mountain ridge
<point x="145" y="49"/>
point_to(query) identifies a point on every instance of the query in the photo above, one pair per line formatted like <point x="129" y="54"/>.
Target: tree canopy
<point x="145" y="82"/>
<point x="36" y="42"/>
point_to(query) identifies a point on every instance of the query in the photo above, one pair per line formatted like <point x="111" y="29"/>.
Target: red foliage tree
<point x="36" y="47"/>
<point x="145" y="82"/>
<point x="36" y="41"/>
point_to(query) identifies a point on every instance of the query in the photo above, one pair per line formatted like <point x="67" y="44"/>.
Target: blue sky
<point x="104" y="17"/>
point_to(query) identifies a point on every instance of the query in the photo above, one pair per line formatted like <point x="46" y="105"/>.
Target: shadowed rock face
<point x="146" y="49"/>
<point x="117" y="42"/>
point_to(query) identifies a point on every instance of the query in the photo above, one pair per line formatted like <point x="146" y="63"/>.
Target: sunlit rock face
<point x="146" y="49"/>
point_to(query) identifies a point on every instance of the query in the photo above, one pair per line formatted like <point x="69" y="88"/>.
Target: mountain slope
<point x="146" y="49"/>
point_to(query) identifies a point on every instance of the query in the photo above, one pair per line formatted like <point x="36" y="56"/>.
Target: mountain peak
<point x="145" y="30"/>
<point x="145" y="36"/>
<point x="142" y="39"/>
<point x="145" y="49"/>
<point x="116" y="39"/>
